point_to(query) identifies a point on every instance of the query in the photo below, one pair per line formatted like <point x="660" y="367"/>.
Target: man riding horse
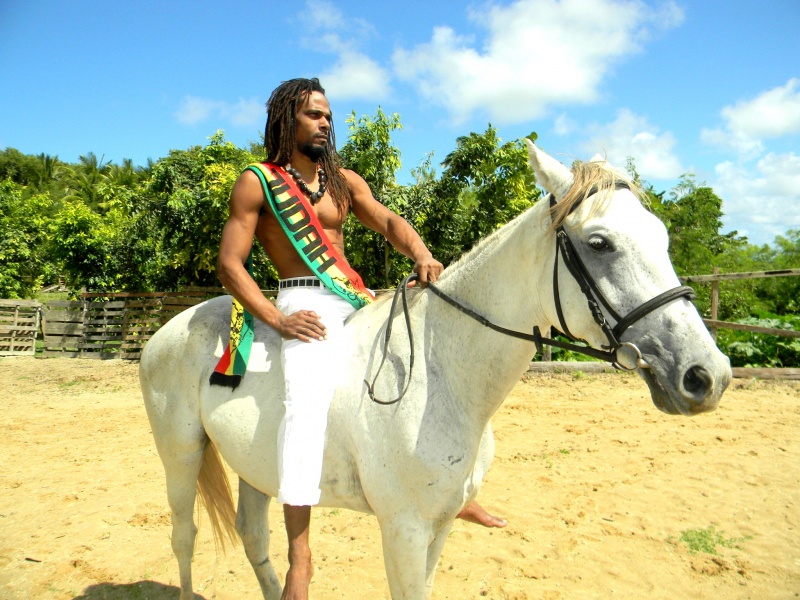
<point x="301" y="232"/>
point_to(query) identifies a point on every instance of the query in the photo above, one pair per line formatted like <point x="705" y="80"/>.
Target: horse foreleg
<point x="405" y="552"/>
<point x="252" y="523"/>
<point x="434" y="554"/>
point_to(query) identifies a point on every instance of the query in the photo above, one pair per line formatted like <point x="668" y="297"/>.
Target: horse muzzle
<point x="690" y="391"/>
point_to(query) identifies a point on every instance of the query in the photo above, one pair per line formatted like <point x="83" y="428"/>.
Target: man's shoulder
<point x="248" y="191"/>
<point x="353" y="179"/>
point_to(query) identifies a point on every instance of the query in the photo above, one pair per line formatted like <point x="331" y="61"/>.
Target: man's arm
<point x="393" y="227"/>
<point x="246" y="201"/>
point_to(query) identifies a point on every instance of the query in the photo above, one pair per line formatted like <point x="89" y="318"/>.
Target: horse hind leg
<point x="191" y="467"/>
<point x="182" y="471"/>
<point x="252" y="524"/>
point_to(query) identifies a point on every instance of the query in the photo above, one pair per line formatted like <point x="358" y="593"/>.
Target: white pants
<point x="312" y="371"/>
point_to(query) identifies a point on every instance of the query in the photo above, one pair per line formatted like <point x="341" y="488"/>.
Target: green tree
<point x="89" y="247"/>
<point x="777" y="296"/>
<point x="693" y="217"/>
<point x="370" y="153"/>
<point x="46" y="171"/>
<point x="85" y="180"/>
<point x="24" y="265"/>
<point x="485" y="184"/>
<point x="20" y="168"/>
<point x="180" y="213"/>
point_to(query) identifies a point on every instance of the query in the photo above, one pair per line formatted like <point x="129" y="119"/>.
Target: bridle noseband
<point x="594" y="297"/>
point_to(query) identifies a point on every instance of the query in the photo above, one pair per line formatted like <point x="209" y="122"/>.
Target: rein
<point x="594" y="297"/>
<point x="401" y="291"/>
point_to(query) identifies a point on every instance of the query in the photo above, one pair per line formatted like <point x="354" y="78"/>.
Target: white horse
<point x="415" y="464"/>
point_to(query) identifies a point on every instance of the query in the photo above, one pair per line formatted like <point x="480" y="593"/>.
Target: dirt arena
<point x="598" y="487"/>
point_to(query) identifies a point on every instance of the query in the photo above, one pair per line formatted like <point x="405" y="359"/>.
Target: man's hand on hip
<point x="303" y="325"/>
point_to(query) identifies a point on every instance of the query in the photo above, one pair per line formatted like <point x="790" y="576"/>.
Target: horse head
<point x="615" y="287"/>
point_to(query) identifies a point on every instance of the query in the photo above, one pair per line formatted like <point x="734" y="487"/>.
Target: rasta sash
<point x="305" y="233"/>
<point x="231" y="367"/>
<point x="301" y="225"/>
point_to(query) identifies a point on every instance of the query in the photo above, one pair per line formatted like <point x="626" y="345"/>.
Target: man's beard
<point x="313" y="152"/>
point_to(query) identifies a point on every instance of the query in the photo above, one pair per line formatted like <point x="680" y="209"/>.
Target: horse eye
<point x="599" y="244"/>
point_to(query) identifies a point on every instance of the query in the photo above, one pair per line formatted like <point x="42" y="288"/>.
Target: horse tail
<point x="215" y="494"/>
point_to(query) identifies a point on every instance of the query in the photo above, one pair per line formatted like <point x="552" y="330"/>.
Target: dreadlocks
<point x="280" y="135"/>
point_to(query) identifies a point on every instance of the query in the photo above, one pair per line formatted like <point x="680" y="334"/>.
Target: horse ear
<point x="601" y="160"/>
<point x="597" y="158"/>
<point x="550" y="174"/>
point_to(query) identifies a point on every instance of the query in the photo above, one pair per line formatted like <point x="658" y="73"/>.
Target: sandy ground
<point x="598" y="487"/>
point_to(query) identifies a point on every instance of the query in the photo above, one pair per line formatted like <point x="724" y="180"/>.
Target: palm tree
<point x="85" y="179"/>
<point x="46" y="170"/>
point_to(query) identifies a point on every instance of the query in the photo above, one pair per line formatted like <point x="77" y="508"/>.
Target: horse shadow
<point x="144" y="590"/>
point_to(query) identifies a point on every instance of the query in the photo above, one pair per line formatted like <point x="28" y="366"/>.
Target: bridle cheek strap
<point x="594" y="297"/>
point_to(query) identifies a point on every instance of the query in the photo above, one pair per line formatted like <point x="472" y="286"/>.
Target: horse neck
<point x="502" y="280"/>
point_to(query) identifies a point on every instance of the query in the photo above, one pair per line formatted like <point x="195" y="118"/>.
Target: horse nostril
<point x="698" y="381"/>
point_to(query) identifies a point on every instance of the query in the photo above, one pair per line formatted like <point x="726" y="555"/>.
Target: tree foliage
<point x="118" y="227"/>
<point x="370" y="153"/>
<point x="180" y="212"/>
<point x="484" y="184"/>
<point x="24" y="232"/>
<point x="89" y="247"/>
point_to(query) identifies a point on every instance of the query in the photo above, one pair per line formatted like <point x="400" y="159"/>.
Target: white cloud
<point x="632" y="135"/>
<point x="355" y="76"/>
<point x="737" y="141"/>
<point x="761" y="199"/>
<point x="194" y="110"/>
<point x="322" y="14"/>
<point x="537" y="53"/>
<point x="563" y="125"/>
<point x="764" y="201"/>
<point x="243" y="112"/>
<point x="771" y="114"/>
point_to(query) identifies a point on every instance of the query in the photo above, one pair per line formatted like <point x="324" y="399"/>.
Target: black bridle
<point x="594" y="297"/>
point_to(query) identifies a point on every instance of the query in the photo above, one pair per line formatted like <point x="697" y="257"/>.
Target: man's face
<point x="313" y="126"/>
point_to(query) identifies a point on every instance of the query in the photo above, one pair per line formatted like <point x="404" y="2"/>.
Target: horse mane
<point x="590" y="178"/>
<point x="594" y="177"/>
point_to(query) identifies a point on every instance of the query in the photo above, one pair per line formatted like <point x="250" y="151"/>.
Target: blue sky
<point x="708" y="87"/>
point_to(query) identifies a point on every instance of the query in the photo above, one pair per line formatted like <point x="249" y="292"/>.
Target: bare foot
<point x="475" y="513"/>
<point x="298" y="578"/>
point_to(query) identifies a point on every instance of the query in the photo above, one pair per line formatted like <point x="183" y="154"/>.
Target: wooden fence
<point x="713" y="323"/>
<point x="99" y="325"/>
<point x="102" y="325"/>
<point x="19" y="326"/>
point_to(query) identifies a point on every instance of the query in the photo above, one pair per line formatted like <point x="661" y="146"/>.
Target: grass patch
<point x="707" y="540"/>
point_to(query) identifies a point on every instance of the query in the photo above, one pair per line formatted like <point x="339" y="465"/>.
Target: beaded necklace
<point x="313" y="196"/>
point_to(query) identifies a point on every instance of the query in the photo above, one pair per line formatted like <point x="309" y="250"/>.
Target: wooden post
<point x="547" y="353"/>
<point x="714" y="302"/>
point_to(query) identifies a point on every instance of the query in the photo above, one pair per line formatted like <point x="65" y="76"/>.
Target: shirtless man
<point x="299" y="137"/>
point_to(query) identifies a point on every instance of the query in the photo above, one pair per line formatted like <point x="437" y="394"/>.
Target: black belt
<point x="299" y="282"/>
